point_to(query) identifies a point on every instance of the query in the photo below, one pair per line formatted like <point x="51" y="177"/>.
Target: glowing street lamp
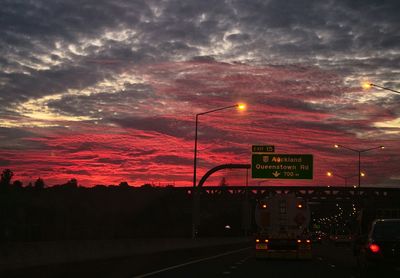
<point x="359" y="157"/>
<point x="368" y="85"/>
<point x="331" y="174"/>
<point x="239" y="106"/>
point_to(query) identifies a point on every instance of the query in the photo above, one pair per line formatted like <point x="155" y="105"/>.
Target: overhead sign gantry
<point x="267" y="165"/>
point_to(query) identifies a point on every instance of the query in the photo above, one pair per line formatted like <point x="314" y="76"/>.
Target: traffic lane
<point x="121" y="267"/>
<point x="328" y="261"/>
<point x="211" y="266"/>
<point x="337" y="257"/>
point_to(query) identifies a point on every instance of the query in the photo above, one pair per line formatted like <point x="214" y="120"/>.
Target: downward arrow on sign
<point x="276" y="174"/>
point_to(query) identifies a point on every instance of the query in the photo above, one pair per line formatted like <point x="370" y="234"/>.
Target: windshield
<point x="387" y="230"/>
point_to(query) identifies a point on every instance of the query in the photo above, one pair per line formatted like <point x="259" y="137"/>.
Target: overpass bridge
<point x="309" y="193"/>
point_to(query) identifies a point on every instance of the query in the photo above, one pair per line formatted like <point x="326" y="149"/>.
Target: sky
<point x="107" y="91"/>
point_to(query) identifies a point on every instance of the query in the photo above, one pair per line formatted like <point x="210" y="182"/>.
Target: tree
<point x="123" y="184"/>
<point x="6" y="177"/>
<point x="72" y="183"/>
<point x="17" y="184"/>
<point x="146" y="185"/>
<point x="39" y="184"/>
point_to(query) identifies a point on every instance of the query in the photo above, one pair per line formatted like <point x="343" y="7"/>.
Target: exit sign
<point x="262" y="148"/>
<point x="281" y="166"/>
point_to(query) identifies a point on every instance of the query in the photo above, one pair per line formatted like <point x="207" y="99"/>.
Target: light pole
<point x="359" y="157"/>
<point x="331" y="174"/>
<point x="196" y="196"/>
<point x="367" y="85"/>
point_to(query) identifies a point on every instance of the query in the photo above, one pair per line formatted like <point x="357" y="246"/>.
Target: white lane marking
<point x="226" y="273"/>
<point x="233" y="267"/>
<point x="191" y="262"/>
<point x="332" y="265"/>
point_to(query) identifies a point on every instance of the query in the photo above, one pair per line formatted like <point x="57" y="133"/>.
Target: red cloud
<point x="297" y="109"/>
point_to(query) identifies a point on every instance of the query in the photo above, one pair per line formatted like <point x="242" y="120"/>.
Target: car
<point x="342" y="239"/>
<point x="342" y="236"/>
<point x="379" y="250"/>
<point x="317" y="237"/>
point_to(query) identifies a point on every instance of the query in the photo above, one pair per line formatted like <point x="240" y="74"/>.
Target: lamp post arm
<point x="366" y="150"/>
<point x="342" y="177"/>
<point x="218" y="109"/>
<point x="385" y="88"/>
<point x="360" y="151"/>
<point x="350" y="149"/>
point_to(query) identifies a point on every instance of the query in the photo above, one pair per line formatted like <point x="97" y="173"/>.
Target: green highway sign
<point x="281" y="166"/>
<point x="262" y="149"/>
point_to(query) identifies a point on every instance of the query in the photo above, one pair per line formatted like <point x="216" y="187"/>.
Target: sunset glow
<point x="112" y="97"/>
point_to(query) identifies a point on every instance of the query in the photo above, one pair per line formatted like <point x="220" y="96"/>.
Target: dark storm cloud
<point x="76" y="172"/>
<point x="172" y="159"/>
<point x="18" y="138"/>
<point x="174" y="127"/>
<point x="4" y="162"/>
<point x="14" y="133"/>
<point x="111" y="161"/>
<point x="93" y="105"/>
<point x="235" y="150"/>
<point x="276" y="31"/>
<point x="139" y="152"/>
<point x="167" y="126"/>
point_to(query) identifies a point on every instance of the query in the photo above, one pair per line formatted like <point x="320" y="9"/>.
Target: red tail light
<point x="374" y="248"/>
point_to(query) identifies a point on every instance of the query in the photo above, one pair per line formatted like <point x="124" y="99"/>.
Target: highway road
<point x="233" y="261"/>
<point x="328" y="261"/>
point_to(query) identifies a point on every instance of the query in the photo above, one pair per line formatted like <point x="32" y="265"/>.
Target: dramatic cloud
<point x="107" y="91"/>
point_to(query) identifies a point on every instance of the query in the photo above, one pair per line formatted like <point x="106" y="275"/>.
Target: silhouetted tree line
<point x="7" y="174"/>
<point x="68" y="211"/>
<point x="5" y="182"/>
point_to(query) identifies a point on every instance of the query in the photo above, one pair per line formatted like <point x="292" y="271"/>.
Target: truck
<point x="283" y="227"/>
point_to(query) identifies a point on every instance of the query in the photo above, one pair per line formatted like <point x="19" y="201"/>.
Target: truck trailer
<point x="283" y="227"/>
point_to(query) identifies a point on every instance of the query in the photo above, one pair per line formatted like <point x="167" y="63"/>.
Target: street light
<point x="359" y="157"/>
<point x="331" y="174"/>
<point x="240" y="106"/>
<point x="368" y="85"/>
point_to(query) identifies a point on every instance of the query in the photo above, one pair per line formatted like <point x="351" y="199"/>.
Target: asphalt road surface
<point x="328" y="261"/>
<point x="228" y="261"/>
